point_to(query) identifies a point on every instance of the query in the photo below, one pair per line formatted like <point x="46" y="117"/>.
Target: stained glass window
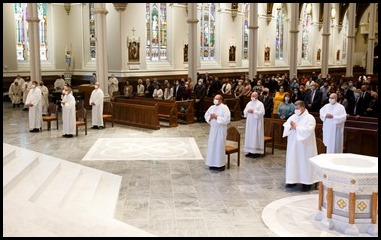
<point x="92" y="32"/>
<point x="306" y="18"/>
<point x="208" y="27"/>
<point x="245" y="31"/>
<point x="22" y="36"/>
<point x="156" y="24"/>
<point x="345" y="40"/>
<point x="279" y="34"/>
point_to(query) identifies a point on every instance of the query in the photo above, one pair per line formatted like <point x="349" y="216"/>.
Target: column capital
<point x="33" y="19"/>
<point x="326" y="34"/>
<point x="192" y="21"/>
<point x="120" y="6"/>
<point x="294" y="31"/>
<point x="100" y="10"/>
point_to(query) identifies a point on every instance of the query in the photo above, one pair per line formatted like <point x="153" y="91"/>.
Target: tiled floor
<point x="171" y="198"/>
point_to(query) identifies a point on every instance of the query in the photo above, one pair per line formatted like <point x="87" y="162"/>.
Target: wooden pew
<point x="137" y="115"/>
<point x="185" y="111"/>
<point x="167" y="110"/>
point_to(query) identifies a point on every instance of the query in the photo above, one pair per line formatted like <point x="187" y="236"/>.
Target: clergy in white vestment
<point x="333" y="115"/>
<point x="113" y="85"/>
<point x="15" y="93"/>
<point x="27" y="85"/>
<point x="254" y="131"/>
<point x="33" y="102"/>
<point x="96" y="102"/>
<point x="301" y="146"/>
<point x="45" y="98"/>
<point x="218" y="116"/>
<point x="68" y="113"/>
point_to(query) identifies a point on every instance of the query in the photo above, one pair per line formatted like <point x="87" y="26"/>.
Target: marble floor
<point x="171" y="198"/>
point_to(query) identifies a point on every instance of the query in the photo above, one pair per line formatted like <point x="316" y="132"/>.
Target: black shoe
<point x="69" y="135"/>
<point x="25" y="109"/>
<point x="305" y="188"/>
<point x="64" y="135"/>
<point x="95" y="127"/>
<point x="249" y="155"/>
<point x="34" y="130"/>
<point x="290" y="185"/>
<point x="221" y="168"/>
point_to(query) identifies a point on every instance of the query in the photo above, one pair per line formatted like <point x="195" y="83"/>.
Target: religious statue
<point x="68" y="57"/>
<point x="232" y="53"/>
<point x="267" y="54"/>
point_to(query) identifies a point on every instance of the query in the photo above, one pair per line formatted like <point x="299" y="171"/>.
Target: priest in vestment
<point x="33" y="102"/>
<point x="68" y="113"/>
<point x="96" y="102"/>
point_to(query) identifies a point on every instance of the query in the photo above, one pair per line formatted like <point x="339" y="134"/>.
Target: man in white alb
<point x="218" y="116"/>
<point x="96" y="102"/>
<point x="333" y="115"/>
<point x="33" y="102"/>
<point x="113" y="85"/>
<point x="68" y="113"/>
<point x="301" y="146"/>
<point x="254" y="131"/>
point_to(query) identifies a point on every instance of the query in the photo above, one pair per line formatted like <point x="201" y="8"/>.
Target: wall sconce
<point x="234" y="10"/>
<point x="309" y="8"/>
<point x="67" y="7"/>
<point x="333" y="13"/>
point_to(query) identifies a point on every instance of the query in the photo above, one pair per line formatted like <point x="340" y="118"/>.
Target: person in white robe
<point x="218" y="116"/>
<point x="333" y="115"/>
<point x="113" y="85"/>
<point x="59" y="84"/>
<point x="15" y="94"/>
<point x="33" y="102"/>
<point x="96" y="103"/>
<point x="68" y="113"/>
<point x="45" y="98"/>
<point x="27" y="85"/>
<point x="301" y="146"/>
<point x="254" y="131"/>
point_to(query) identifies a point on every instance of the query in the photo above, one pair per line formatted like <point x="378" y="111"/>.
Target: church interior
<point x="144" y="172"/>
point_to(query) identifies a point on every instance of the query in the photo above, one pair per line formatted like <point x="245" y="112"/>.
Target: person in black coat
<point x="313" y="97"/>
<point x="267" y="101"/>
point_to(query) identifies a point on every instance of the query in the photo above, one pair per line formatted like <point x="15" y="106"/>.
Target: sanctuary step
<point x="48" y="196"/>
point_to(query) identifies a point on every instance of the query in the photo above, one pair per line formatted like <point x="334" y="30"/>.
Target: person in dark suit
<point x="199" y="95"/>
<point x="313" y="97"/>
<point x="181" y="91"/>
<point x="267" y="101"/>
<point x="149" y="88"/>
<point x="359" y="106"/>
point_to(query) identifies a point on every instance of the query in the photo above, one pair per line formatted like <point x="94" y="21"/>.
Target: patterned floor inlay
<point x="178" y="148"/>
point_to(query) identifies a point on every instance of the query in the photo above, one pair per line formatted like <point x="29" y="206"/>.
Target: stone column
<point x="101" y="47"/>
<point x="193" y="50"/>
<point x="34" y="43"/>
<point x="326" y="33"/>
<point x="294" y="30"/>
<point x="351" y="39"/>
<point x="253" y="40"/>
<point x="371" y="38"/>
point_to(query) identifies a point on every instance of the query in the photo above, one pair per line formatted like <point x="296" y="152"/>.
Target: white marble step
<point x="16" y="169"/>
<point x="53" y="194"/>
<point x="83" y="191"/>
<point x="35" y="180"/>
<point x="8" y="154"/>
<point x="25" y="219"/>
<point x="106" y="195"/>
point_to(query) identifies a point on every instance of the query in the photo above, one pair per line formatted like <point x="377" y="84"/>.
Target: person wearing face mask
<point x="301" y="146"/>
<point x="285" y="108"/>
<point x="199" y="95"/>
<point x="267" y="101"/>
<point x="312" y="98"/>
<point x="278" y="98"/>
<point x="140" y="88"/>
<point x="254" y="131"/>
<point x="218" y="116"/>
<point x="34" y="103"/>
<point x="96" y="102"/>
<point x="333" y="115"/>
<point x="68" y="113"/>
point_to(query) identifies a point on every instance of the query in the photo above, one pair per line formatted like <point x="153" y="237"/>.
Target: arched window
<point x="92" y="32"/>
<point x="22" y="37"/>
<point x="245" y="31"/>
<point x="156" y="23"/>
<point x="345" y="40"/>
<point x="208" y="26"/>
<point x="279" y="32"/>
<point x="306" y="18"/>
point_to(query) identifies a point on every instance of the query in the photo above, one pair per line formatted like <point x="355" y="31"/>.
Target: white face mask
<point x="96" y="86"/>
<point x="199" y="83"/>
<point x="253" y="99"/>
<point x="297" y="111"/>
<point x="332" y="101"/>
<point x="215" y="101"/>
<point x="286" y="99"/>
